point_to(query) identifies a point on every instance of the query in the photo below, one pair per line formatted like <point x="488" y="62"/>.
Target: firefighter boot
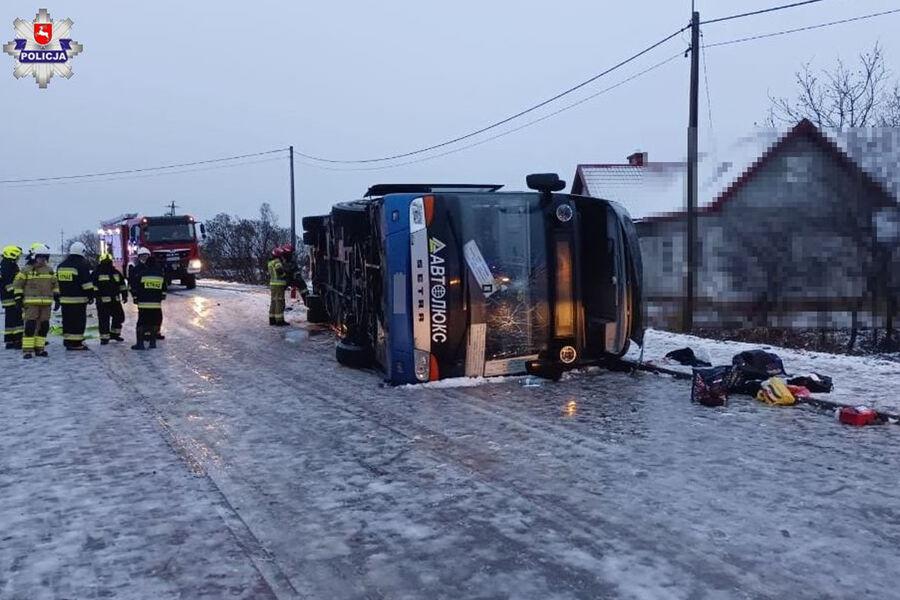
<point x="152" y="341"/>
<point x="140" y="339"/>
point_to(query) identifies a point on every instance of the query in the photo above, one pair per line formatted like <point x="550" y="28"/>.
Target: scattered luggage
<point x="815" y="383"/>
<point x="710" y="386"/>
<point x="757" y="364"/>
<point x="775" y="392"/>
<point x="799" y="391"/>
<point x="686" y="356"/>
<point x="858" y="416"/>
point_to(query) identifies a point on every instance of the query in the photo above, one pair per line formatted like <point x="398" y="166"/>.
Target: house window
<point x="667" y="256"/>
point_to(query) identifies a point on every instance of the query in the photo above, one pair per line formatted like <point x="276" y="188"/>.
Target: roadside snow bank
<point x="857" y="379"/>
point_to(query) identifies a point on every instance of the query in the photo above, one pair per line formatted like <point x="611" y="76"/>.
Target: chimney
<point x="638" y="159"/>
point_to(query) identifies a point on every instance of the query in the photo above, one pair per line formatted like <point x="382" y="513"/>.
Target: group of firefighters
<point x="28" y="294"/>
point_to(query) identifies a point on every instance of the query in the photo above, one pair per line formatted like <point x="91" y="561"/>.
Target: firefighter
<point x="277" y="284"/>
<point x="109" y="285"/>
<point x="148" y="289"/>
<point x="36" y="289"/>
<point x="13" y="328"/>
<point x="76" y="292"/>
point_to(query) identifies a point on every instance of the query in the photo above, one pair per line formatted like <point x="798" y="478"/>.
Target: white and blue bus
<point x="426" y="281"/>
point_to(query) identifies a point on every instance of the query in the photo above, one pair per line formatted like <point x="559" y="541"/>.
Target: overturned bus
<point x="427" y="281"/>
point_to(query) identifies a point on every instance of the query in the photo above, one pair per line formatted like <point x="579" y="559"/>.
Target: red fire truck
<point x="172" y="239"/>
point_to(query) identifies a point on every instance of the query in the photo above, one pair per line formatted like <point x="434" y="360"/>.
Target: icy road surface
<point x="239" y="461"/>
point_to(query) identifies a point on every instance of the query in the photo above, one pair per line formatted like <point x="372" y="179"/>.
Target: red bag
<point x="858" y="416"/>
<point x="799" y="391"/>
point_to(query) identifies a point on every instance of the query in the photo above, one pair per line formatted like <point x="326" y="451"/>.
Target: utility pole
<point x="62" y="243"/>
<point x="691" y="249"/>
<point x="172" y="208"/>
<point x="293" y="213"/>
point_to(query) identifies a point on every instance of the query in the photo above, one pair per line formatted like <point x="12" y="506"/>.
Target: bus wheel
<point x="353" y="355"/>
<point x="189" y="281"/>
<point x="315" y="309"/>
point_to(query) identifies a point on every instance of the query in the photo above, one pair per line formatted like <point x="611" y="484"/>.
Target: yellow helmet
<point x="12" y="252"/>
<point x="105" y="256"/>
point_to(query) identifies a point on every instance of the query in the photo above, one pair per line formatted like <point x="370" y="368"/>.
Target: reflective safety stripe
<point x="103" y="278"/>
<point x="105" y="298"/>
<point x="123" y="288"/>
<point x="104" y="336"/>
<point x="14" y="331"/>
<point x="9" y="287"/>
<point x="8" y="303"/>
<point x="73" y="300"/>
<point x="276" y="315"/>
<point x="277" y="283"/>
<point x="39" y="342"/>
<point x="149" y="305"/>
<point x="115" y="331"/>
<point x="87" y="286"/>
<point x="72" y="337"/>
<point x="27" y="344"/>
<point x="66" y="273"/>
<point x="36" y="275"/>
<point x="38" y="301"/>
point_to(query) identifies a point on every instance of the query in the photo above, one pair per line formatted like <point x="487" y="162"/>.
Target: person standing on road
<point x="109" y="285"/>
<point x="12" y="326"/>
<point x="277" y="284"/>
<point x="292" y="271"/>
<point x="35" y="289"/>
<point x="76" y="292"/>
<point x="148" y="289"/>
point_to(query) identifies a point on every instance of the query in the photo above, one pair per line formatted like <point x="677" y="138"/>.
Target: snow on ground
<point x="239" y="460"/>
<point x="858" y="380"/>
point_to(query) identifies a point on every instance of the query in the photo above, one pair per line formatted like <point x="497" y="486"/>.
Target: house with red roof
<point x="795" y="228"/>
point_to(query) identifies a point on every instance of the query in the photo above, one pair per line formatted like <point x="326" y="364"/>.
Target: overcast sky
<point x="165" y="82"/>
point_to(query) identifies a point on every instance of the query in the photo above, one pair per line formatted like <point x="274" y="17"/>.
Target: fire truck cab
<point x="173" y="241"/>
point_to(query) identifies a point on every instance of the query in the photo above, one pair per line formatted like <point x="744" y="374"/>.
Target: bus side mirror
<point x="202" y="231"/>
<point x="546" y="184"/>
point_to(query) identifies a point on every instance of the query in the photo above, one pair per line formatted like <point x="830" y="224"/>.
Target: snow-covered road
<point x="239" y="460"/>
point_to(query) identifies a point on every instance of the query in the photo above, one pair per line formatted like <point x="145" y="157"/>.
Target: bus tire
<point x="353" y="356"/>
<point x="315" y="309"/>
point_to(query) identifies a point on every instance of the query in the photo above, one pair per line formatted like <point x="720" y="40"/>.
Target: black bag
<point x="749" y="387"/>
<point x="757" y="364"/>
<point x="686" y="356"/>
<point x="710" y="386"/>
<point x="815" y="383"/>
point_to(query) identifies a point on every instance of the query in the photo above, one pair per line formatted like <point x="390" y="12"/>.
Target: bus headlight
<point x="567" y="355"/>
<point x="422" y="361"/>
<point x="564" y="212"/>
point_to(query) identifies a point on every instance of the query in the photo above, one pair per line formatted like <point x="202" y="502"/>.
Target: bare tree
<point x="90" y="240"/>
<point x="843" y="96"/>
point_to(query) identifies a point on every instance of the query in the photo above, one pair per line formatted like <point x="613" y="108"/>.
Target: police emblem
<point x="44" y="49"/>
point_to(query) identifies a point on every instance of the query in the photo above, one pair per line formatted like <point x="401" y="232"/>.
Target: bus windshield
<point x="169" y="232"/>
<point x="504" y="240"/>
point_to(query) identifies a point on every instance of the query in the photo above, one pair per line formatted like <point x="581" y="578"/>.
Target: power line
<point x="706" y="85"/>
<point x="502" y="121"/>
<point x="759" y="12"/>
<point x="808" y="28"/>
<point x="508" y="131"/>
<point x="140" y="175"/>
<point x="142" y="170"/>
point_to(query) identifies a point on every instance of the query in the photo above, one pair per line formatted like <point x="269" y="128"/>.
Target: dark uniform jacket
<point x="8" y="271"/>
<point x="148" y="285"/>
<point x="74" y="275"/>
<point x="109" y="283"/>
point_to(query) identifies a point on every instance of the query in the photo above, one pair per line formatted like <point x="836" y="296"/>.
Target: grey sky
<point x="164" y="82"/>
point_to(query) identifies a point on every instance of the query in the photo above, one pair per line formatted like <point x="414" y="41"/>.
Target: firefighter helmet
<point x="77" y="248"/>
<point x="143" y="251"/>
<point x="287" y="249"/>
<point x="277" y="252"/>
<point x="12" y="252"/>
<point x="39" y="249"/>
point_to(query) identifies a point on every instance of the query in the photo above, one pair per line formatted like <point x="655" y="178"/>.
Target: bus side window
<point x="135" y="234"/>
